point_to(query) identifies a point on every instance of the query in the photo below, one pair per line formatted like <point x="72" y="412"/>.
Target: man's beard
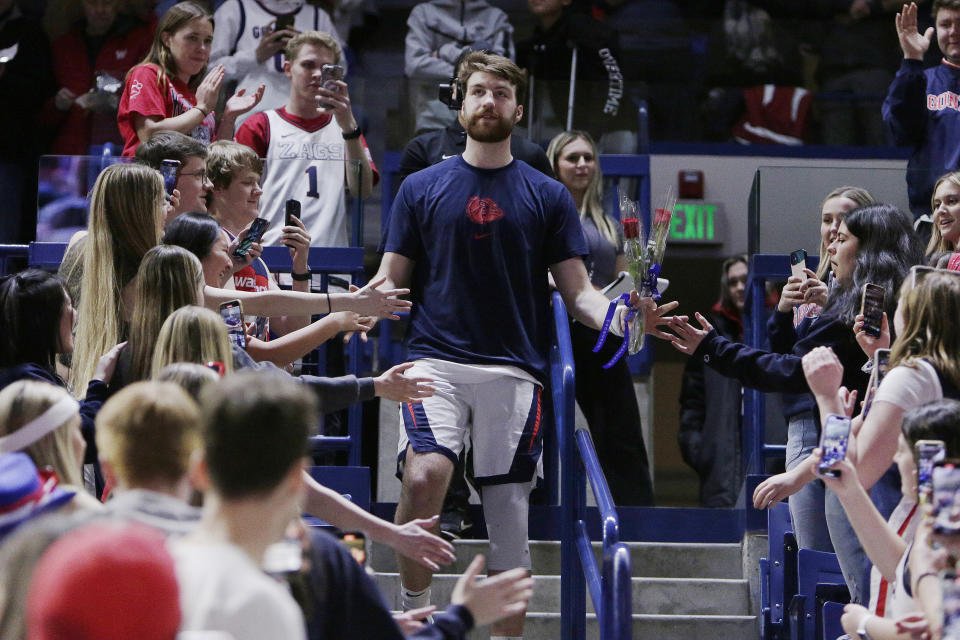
<point x="485" y="133"/>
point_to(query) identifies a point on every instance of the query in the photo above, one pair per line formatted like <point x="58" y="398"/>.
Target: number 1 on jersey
<point x="312" y="188"/>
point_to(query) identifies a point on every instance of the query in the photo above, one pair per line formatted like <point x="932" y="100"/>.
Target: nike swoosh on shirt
<point x="445" y="157"/>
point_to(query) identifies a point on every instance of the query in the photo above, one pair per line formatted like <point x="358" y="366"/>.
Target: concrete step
<point x="648" y="559"/>
<point x="546" y="626"/>
<point x="660" y="596"/>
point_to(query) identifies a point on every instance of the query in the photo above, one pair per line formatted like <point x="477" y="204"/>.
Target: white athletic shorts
<point x="496" y="411"/>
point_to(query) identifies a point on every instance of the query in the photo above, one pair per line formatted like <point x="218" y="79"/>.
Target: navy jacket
<point x="347" y="603"/>
<point x="89" y="406"/>
<point x="783" y="372"/>
<point x="922" y="111"/>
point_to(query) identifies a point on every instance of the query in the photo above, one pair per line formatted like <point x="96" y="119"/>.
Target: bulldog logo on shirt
<point x="483" y="211"/>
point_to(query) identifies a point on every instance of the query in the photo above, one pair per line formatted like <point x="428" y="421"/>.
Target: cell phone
<point x="871" y="307"/>
<point x="950" y="590"/>
<point x="798" y="262"/>
<point x="232" y="313"/>
<point x="946" y="497"/>
<point x="929" y="453"/>
<point x="284" y="22"/>
<point x="833" y="443"/>
<point x="169" y="169"/>
<point x="255" y="234"/>
<point x="881" y="364"/>
<point x="330" y="73"/>
<point x="356" y="543"/>
<point x="293" y="211"/>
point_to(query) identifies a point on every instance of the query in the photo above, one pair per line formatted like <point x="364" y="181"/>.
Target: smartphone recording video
<point x="872" y="309"/>
<point x="284" y="22"/>
<point x="929" y="453"/>
<point x="798" y="262"/>
<point x="833" y="443"/>
<point x="292" y="211"/>
<point x="232" y="313"/>
<point x="946" y="497"/>
<point x="329" y="74"/>
<point x="169" y="169"/>
<point x="255" y="234"/>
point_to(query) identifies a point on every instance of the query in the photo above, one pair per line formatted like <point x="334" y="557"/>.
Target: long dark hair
<point x="887" y="248"/>
<point x="195" y="232"/>
<point x="31" y="305"/>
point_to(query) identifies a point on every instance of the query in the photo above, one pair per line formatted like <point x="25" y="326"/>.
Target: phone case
<point x="946" y="498"/>
<point x="833" y="443"/>
<point x="871" y="306"/>
<point x="232" y="313"/>
<point x="928" y="454"/>
<point x="798" y="262"/>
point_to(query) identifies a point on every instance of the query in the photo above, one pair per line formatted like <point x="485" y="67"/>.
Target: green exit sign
<point x="697" y="223"/>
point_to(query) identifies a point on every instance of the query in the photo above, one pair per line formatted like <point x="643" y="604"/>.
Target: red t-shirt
<point x="144" y="95"/>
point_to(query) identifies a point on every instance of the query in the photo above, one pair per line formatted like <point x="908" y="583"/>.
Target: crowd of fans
<point x="125" y="402"/>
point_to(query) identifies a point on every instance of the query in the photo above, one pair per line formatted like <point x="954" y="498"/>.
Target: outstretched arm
<point x="589" y="306"/>
<point x="412" y="539"/>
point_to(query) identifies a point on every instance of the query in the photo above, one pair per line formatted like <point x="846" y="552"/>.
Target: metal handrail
<point x="610" y="585"/>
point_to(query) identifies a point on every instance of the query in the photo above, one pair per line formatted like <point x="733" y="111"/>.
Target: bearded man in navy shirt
<point x="474" y="238"/>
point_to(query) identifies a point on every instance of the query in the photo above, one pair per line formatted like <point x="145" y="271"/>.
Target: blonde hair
<point x="170" y="277"/>
<point x="25" y="400"/>
<point x="931" y="314"/>
<point x="126" y="212"/>
<point x="193" y="334"/>
<point x="861" y="197"/>
<point x="176" y="17"/>
<point x="147" y="432"/>
<point x="937" y="242"/>
<point x="191" y="377"/>
<point x="226" y="158"/>
<point x="317" y="39"/>
<point x="592" y="206"/>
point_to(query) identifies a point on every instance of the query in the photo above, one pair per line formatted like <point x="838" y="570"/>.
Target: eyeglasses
<point x="201" y="174"/>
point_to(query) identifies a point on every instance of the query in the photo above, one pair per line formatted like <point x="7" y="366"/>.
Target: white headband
<point x="40" y="426"/>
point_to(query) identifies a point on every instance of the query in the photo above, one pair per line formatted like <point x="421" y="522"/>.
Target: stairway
<point x="680" y="591"/>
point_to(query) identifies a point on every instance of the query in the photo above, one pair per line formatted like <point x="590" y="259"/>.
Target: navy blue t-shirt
<point x="482" y="240"/>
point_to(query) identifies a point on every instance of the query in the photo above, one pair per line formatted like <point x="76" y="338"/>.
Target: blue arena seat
<point x="778" y="577"/>
<point x="818" y="577"/>
<point x="831" y="620"/>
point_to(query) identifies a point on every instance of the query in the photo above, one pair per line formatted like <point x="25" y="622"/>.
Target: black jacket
<point x="712" y="446"/>
<point x="601" y="102"/>
<point x="432" y="147"/>
<point x="89" y="406"/>
<point x="347" y="604"/>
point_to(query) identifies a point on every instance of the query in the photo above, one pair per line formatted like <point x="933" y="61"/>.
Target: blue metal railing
<point x="610" y="587"/>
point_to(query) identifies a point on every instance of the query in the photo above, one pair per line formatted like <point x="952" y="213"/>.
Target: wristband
<point x="205" y="113"/>
<point x="301" y="277"/>
<point x="329" y="306"/>
<point x="352" y="135"/>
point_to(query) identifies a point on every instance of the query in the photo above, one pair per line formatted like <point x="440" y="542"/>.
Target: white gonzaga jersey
<point x="241" y="24"/>
<point x="305" y="165"/>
